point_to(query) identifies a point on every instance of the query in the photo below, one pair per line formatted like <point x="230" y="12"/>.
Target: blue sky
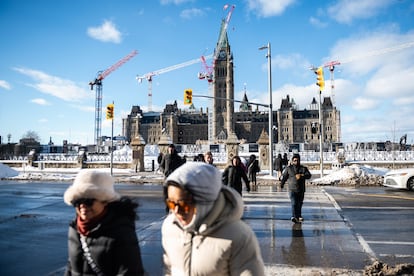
<point x="52" y="49"/>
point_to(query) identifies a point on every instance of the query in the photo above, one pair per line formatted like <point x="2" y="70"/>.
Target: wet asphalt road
<point x="344" y="228"/>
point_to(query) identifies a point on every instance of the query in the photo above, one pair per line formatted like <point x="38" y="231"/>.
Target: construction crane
<point x="331" y="66"/>
<point x="98" y="88"/>
<point x="149" y="76"/>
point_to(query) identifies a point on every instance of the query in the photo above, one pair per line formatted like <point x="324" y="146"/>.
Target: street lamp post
<point x="269" y="71"/>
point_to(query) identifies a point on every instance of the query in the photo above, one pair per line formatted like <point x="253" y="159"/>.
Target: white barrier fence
<point x="220" y="156"/>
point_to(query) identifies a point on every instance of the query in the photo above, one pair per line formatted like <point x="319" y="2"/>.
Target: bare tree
<point x="31" y="134"/>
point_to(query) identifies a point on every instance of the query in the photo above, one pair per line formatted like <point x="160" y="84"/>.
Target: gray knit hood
<point x="202" y="180"/>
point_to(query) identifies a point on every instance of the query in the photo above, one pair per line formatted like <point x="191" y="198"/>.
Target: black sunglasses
<point x="85" y="201"/>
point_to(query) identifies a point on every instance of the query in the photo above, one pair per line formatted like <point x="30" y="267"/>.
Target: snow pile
<point x="6" y="171"/>
<point x="353" y="175"/>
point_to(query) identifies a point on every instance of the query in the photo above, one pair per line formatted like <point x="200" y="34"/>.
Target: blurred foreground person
<point x="101" y="238"/>
<point x="295" y="175"/>
<point x="203" y="233"/>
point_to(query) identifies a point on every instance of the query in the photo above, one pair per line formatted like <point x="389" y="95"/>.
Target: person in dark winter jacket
<point x="295" y="175"/>
<point x="252" y="169"/>
<point x="279" y="166"/>
<point x="234" y="174"/>
<point x="101" y="238"/>
<point x="285" y="161"/>
<point x="171" y="161"/>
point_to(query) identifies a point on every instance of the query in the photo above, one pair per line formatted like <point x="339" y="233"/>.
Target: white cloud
<point x="4" y="84"/>
<point x="191" y="13"/>
<point x="316" y="22"/>
<point x="268" y="8"/>
<point x="107" y="32"/>
<point x="345" y="11"/>
<point x="40" y="101"/>
<point x="84" y="108"/>
<point x="288" y="61"/>
<point x="391" y="81"/>
<point x="361" y="103"/>
<point x="55" y="86"/>
<point x="175" y="2"/>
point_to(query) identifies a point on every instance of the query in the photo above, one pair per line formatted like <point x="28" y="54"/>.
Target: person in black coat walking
<point x="102" y="238"/>
<point x="295" y="175"/>
<point x="252" y="169"/>
<point x="171" y="161"/>
<point x="233" y="175"/>
<point x="279" y="166"/>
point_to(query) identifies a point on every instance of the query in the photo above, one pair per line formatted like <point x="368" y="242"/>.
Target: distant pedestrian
<point x="102" y="238"/>
<point x="295" y="175"/>
<point x="285" y="161"/>
<point x="278" y="166"/>
<point x="208" y="158"/>
<point x="171" y="161"/>
<point x="234" y="174"/>
<point x="199" y="158"/>
<point x="203" y="233"/>
<point x="159" y="158"/>
<point x="252" y="169"/>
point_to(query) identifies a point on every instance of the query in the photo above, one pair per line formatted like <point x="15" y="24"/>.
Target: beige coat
<point x="223" y="244"/>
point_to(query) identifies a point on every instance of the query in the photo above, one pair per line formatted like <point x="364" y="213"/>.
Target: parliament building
<point x="290" y="125"/>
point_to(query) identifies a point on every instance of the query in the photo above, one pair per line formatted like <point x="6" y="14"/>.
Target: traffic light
<point x="188" y="96"/>
<point x="110" y="111"/>
<point x="314" y="127"/>
<point x="320" y="81"/>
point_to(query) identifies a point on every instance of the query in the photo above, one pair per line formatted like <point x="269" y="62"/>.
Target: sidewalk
<point x="322" y="245"/>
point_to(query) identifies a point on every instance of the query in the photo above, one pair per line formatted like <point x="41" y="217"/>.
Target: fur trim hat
<point x="92" y="184"/>
<point x="202" y="180"/>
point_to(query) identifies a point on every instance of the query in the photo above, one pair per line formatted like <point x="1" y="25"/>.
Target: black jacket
<point x="289" y="176"/>
<point x="233" y="175"/>
<point x="113" y="244"/>
<point x="170" y="162"/>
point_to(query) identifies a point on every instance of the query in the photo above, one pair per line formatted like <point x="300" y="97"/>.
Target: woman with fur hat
<point x="101" y="238"/>
<point x="203" y="233"/>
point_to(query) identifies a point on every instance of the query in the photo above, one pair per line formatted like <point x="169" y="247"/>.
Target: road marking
<point x="386" y="196"/>
<point x="360" y="239"/>
<point x="391" y="242"/>
<point x="397" y="255"/>
<point x="380" y="208"/>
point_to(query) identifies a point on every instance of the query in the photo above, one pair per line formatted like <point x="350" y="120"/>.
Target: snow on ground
<point x="345" y="174"/>
<point x="348" y="173"/>
<point x="6" y="171"/>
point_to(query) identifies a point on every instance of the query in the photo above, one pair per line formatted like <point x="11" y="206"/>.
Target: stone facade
<point x="192" y="126"/>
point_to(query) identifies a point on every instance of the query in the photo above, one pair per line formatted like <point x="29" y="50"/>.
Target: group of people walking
<point x="203" y="233"/>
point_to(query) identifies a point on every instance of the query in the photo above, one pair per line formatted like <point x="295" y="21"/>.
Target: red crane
<point x="331" y="66"/>
<point x="98" y="101"/>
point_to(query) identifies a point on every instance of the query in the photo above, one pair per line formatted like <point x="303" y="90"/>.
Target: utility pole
<point x="269" y="79"/>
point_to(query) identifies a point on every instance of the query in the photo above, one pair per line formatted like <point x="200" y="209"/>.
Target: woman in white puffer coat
<point x="203" y="233"/>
